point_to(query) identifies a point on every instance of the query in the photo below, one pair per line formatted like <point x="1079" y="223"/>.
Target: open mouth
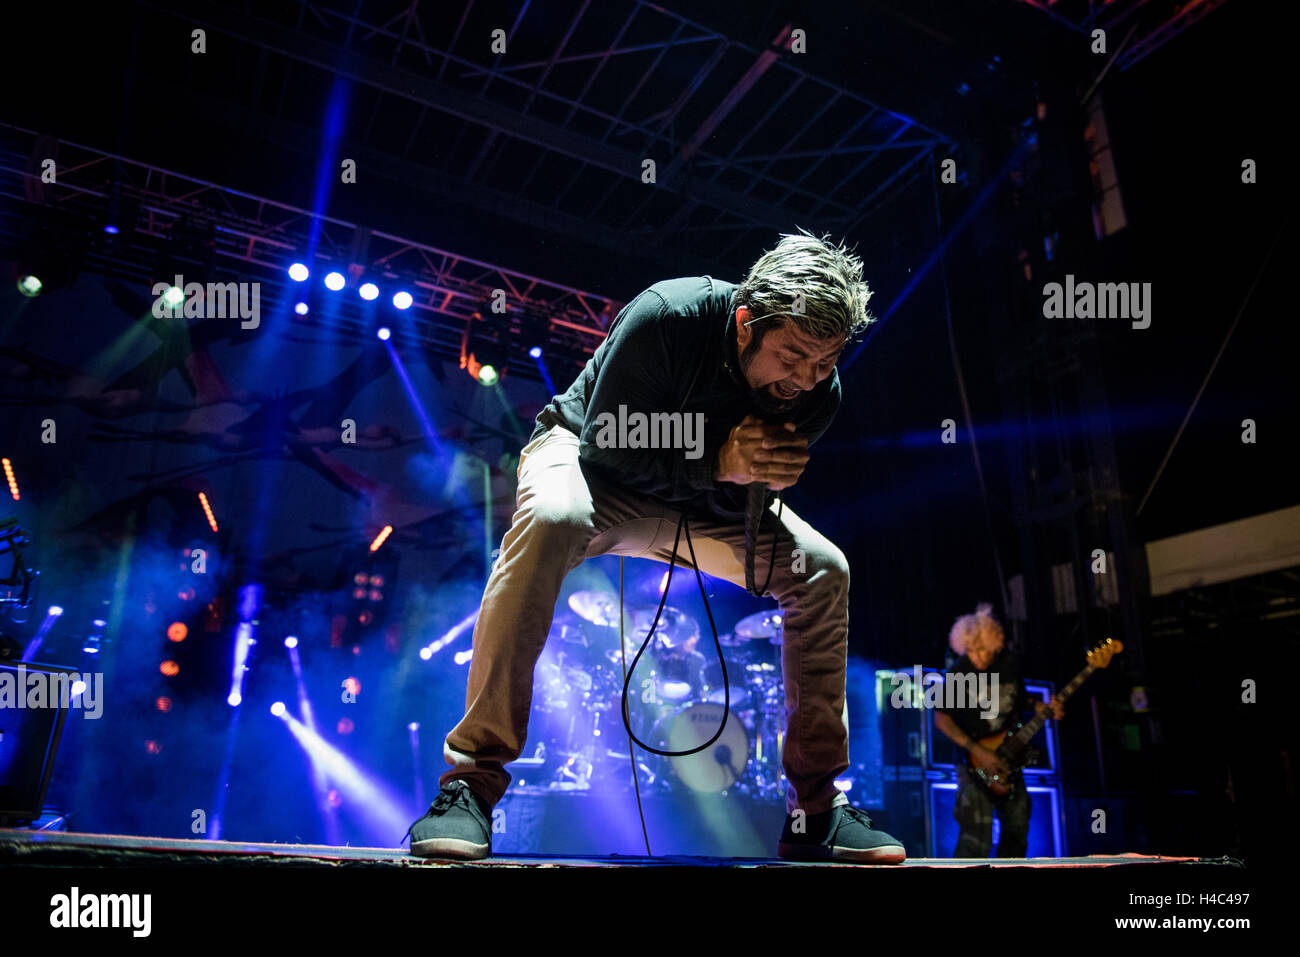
<point x="783" y="392"/>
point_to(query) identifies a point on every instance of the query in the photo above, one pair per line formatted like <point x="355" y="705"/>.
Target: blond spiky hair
<point x="978" y="629"/>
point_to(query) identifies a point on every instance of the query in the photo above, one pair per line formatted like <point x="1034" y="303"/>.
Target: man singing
<point x="757" y="361"/>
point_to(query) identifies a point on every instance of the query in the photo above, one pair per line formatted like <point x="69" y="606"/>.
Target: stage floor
<point x="23" y="848"/>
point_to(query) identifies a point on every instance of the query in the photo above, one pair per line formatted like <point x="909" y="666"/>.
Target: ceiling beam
<point x="335" y="59"/>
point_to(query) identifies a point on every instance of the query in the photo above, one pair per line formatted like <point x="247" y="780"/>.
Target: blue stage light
<point x="298" y="272"/>
<point x="335" y="281"/>
<point x="402" y="300"/>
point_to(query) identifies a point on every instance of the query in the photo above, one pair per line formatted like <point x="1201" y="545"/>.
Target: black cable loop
<point x="627" y="678"/>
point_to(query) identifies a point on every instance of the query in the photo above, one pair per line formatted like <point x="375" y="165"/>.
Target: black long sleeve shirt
<point x="671" y="349"/>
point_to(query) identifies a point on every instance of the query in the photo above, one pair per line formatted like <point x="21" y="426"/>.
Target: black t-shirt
<point x="1011" y="700"/>
<point x="673" y="348"/>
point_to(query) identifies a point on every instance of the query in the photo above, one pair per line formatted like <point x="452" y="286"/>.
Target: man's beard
<point x="765" y="401"/>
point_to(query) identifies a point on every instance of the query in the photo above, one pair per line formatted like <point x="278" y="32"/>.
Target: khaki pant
<point x="564" y="516"/>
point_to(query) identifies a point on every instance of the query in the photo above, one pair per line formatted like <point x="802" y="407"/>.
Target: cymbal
<point x="762" y="624"/>
<point x="675" y="626"/>
<point x="597" y="607"/>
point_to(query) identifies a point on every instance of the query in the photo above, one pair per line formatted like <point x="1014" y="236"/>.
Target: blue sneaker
<point x="843" y="833"/>
<point x="457" y="825"/>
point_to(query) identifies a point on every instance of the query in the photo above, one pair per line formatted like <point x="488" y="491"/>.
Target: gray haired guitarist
<point x="997" y="748"/>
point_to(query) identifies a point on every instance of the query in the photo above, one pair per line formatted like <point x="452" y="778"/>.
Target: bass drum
<point x="718" y="767"/>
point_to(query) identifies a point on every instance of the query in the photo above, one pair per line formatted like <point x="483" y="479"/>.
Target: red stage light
<point x="177" y="631"/>
<point x="346" y="725"/>
<point x="163" y="703"/>
<point x="169" y="668"/>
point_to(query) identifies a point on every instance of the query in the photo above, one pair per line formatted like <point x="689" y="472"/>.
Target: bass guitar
<point x="1011" y="745"/>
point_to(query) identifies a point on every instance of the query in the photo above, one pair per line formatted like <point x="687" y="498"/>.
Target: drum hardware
<point x="676" y="628"/>
<point x="718" y="767"/>
<point x="763" y="624"/>
<point x="597" y="607"/>
<point x="578" y="689"/>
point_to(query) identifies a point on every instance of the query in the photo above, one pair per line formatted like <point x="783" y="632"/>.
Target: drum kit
<point x="676" y="701"/>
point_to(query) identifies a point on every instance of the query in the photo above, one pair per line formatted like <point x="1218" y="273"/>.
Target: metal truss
<point x="557" y="129"/>
<point x="1160" y="21"/>
<point x="162" y="213"/>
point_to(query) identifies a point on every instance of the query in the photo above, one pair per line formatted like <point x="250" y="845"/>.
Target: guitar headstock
<point x="1100" y="656"/>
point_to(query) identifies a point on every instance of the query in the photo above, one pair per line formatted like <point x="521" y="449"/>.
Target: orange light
<point x="153" y="747"/>
<point x="170" y="668"/>
<point x="9" y="476"/>
<point x="177" y="631"/>
<point x="186" y="594"/>
<point x="163" y="703"/>
<point x="380" y="538"/>
<point x="207" y="510"/>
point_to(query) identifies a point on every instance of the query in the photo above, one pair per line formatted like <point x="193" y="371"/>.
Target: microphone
<point x="755" y="506"/>
<point x="722" y="755"/>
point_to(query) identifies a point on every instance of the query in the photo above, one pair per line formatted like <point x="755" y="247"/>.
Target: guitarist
<point x="979" y="642"/>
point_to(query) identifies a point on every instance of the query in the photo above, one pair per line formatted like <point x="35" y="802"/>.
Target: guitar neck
<point x="1033" y="726"/>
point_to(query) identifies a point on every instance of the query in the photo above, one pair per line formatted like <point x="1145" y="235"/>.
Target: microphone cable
<point x="682" y="523"/>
